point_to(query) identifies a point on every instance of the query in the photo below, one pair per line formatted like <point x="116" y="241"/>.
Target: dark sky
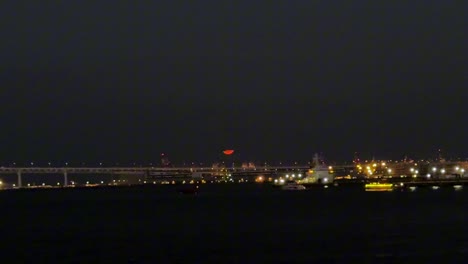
<point x="274" y="80"/>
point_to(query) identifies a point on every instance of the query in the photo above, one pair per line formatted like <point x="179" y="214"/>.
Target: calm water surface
<point x="233" y="224"/>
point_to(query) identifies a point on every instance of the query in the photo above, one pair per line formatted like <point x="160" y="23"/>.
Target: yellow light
<point x="379" y="187"/>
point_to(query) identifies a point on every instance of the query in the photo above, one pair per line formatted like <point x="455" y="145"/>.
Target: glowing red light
<point x="228" y="151"/>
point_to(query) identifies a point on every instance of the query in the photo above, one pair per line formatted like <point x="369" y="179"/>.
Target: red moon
<point x="228" y="151"/>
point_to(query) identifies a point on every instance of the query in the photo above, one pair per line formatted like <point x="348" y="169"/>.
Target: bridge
<point x="19" y="171"/>
<point x="396" y="168"/>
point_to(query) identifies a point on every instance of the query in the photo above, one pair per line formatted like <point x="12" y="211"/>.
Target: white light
<point x="428" y="175"/>
<point x="411" y="169"/>
<point x="416" y="171"/>
<point x="457" y="168"/>
<point x="442" y="170"/>
<point x="276" y="180"/>
<point x="462" y="170"/>
<point x="434" y="169"/>
<point x="325" y="179"/>
<point x="103" y="182"/>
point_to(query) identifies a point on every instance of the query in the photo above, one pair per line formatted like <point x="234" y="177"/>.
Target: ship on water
<point x="319" y="174"/>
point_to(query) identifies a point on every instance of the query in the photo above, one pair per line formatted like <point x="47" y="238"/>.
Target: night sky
<point x="123" y="81"/>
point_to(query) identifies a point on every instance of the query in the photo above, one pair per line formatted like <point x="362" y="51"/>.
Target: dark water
<point x="233" y="224"/>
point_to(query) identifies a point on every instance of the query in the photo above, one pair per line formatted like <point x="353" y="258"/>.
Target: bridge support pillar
<point x="65" y="179"/>
<point x="20" y="184"/>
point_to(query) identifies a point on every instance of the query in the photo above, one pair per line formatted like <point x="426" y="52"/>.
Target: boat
<point x="320" y="174"/>
<point x="379" y="187"/>
<point x="293" y="186"/>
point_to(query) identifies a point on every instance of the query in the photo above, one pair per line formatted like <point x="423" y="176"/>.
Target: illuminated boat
<point x="293" y="186"/>
<point x="319" y="175"/>
<point x="379" y="187"/>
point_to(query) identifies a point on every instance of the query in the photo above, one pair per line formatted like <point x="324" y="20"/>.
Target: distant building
<point x="165" y="162"/>
<point x="248" y="165"/>
<point x="356" y="159"/>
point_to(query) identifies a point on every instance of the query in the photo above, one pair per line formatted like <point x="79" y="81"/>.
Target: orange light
<point x="228" y="151"/>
